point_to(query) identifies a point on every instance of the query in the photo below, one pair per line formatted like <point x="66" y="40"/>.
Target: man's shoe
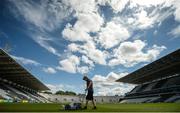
<point x="94" y="107"/>
<point x="85" y="107"/>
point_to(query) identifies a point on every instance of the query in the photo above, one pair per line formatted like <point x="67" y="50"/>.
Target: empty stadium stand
<point x="158" y="81"/>
<point x="17" y="84"/>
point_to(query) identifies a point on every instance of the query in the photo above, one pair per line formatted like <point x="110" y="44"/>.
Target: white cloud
<point x="97" y="56"/>
<point x="86" y="60"/>
<point x="131" y="53"/>
<point x="111" y="77"/>
<point x="143" y="21"/>
<point x="106" y="85"/>
<point x="89" y="49"/>
<point x="86" y="23"/>
<point x="116" y="5"/>
<point x="83" y="69"/>
<point x="127" y="54"/>
<point x="176" y="5"/>
<point x="147" y="3"/>
<point x="49" y="70"/>
<point x="73" y="47"/>
<point x="114" y="31"/>
<point x="176" y="31"/>
<point x="88" y="20"/>
<point x="74" y="34"/>
<point x="94" y="33"/>
<point x="70" y="64"/>
<point x="90" y="55"/>
<point x="112" y="35"/>
<point x="83" y="6"/>
<point x="41" y="18"/>
<point x="144" y="15"/>
<point x="56" y="87"/>
<point x="154" y="51"/>
<point x="44" y="42"/>
<point x="99" y="78"/>
<point x="47" y="15"/>
<point x="26" y="61"/>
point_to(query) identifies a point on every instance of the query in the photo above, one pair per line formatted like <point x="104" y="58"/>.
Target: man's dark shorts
<point x="89" y="95"/>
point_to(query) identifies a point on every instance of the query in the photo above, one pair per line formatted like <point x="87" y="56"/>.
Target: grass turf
<point x="148" y="107"/>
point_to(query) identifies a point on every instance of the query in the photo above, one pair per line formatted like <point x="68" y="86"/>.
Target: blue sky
<point x="60" y="40"/>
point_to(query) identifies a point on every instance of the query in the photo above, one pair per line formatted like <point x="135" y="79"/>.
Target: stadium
<point x="90" y="56"/>
<point x="157" y="86"/>
<point x="158" y="81"/>
<point x="17" y="84"/>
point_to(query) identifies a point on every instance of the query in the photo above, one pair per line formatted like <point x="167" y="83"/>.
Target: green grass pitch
<point x="38" y="107"/>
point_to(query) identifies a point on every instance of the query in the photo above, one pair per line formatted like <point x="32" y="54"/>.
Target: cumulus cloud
<point x="83" y="69"/>
<point x="73" y="47"/>
<point x="175" y="31"/>
<point x="147" y="3"/>
<point x="56" y="87"/>
<point x="112" y="34"/>
<point x="86" y="23"/>
<point x="116" y="5"/>
<point x="88" y="20"/>
<point x="145" y="15"/>
<point x="74" y="34"/>
<point x="70" y="64"/>
<point x="74" y="67"/>
<point x="111" y="77"/>
<point x="176" y="4"/>
<point x="83" y="6"/>
<point x="97" y="56"/>
<point x="89" y="49"/>
<point x="86" y="60"/>
<point x="90" y="55"/>
<point x="131" y="53"/>
<point x="26" y="61"/>
<point x="91" y="35"/>
<point x="106" y="85"/>
<point x="143" y="21"/>
<point x="49" y="70"/>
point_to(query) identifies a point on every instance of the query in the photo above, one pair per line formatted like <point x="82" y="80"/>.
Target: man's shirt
<point x="90" y="88"/>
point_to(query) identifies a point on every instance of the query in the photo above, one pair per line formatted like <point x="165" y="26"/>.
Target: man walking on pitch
<point x="89" y="88"/>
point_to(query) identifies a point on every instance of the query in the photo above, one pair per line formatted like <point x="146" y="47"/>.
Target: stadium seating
<point x="17" y="94"/>
<point x="172" y="82"/>
<point x="150" y="86"/>
<point x="159" y="84"/>
<point x="160" y="79"/>
<point x="4" y="95"/>
<point x="16" y="83"/>
<point x="166" y="90"/>
<point x="135" y="89"/>
<point x="139" y="100"/>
